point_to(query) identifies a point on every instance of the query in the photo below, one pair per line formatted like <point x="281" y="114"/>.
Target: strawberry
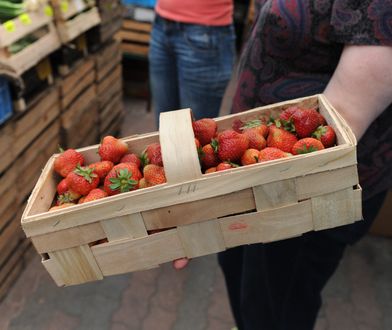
<point x="281" y="139"/>
<point x="102" y="168"/>
<point x="271" y="153"/>
<point x="143" y="183"/>
<point x="236" y="125"/>
<point x="67" y="197"/>
<point x="123" y="177"/>
<point x="67" y="161"/>
<point x="131" y="158"/>
<point x="305" y="122"/>
<point x="152" y="155"/>
<point x="256" y="125"/>
<point x="208" y="155"/>
<point x="288" y="113"/>
<point x="154" y="174"/>
<point x="250" y="156"/>
<point x="210" y="170"/>
<point x="82" y="180"/>
<point x="232" y="145"/>
<point x="62" y="187"/>
<point x="225" y="166"/>
<point x="322" y="120"/>
<point x="112" y="149"/>
<point x="256" y="140"/>
<point x="93" y="195"/>
<point x="326" y="135"/>
<point x="204" y="130"/>
<point x="62" y="206"/>
<point x="306" y="145"/>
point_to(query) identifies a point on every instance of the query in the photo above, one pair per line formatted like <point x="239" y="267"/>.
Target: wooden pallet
<point x="200" y="214"/>
<point x="76" y="19"/>
<point x="8" y="195"/>
<point x="6" y="141"/>
<point x="40" y="25"/>
<point x="110" y="117"/>
<point x="135" y="37"/>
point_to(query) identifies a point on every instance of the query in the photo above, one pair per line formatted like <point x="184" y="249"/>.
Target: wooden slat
<point x="106" y="54"/>
<point x="203" y="238"/>
<point x="136" y="254"/>
<point x="275" y="194"/>
<point x="134" y="36"/>
<point x="76" y="265"/>
<point x="84" y="83"/>
<point x="105" y="97"/>
<point x="69" y="238"/>
<point x="267" y="226"/>
<point x="200" y="210"/>
<point x="128" y="226"/>
<point x="137" y="49"/>
<point x="134" y="25"/>
<point x="6" y="140"/>
<point x="54" y="271"/>
<point x="334" y="209"/>
<point x="105" y="70"/>
<point x="107" y="82"/>
<point x="110" y="112"/>
<point x="80" y="71"/>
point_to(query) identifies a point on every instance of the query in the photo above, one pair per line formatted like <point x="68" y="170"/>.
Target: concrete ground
<point x="359" y="296"/>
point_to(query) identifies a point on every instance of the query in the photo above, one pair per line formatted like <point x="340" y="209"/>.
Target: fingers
<point x="180" y="263"/>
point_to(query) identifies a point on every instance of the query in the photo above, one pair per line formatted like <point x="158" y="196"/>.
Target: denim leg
<point x="163" y="71"/>
<point x="205" y="63"/>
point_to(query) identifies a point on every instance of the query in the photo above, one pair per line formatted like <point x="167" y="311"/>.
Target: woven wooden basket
<point x="202" y="213"/>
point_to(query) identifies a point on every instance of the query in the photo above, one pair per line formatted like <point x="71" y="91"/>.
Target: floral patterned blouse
<point x="292" y="51"/>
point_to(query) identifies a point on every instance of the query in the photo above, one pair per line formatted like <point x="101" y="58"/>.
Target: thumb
<point x="180" y="263"/>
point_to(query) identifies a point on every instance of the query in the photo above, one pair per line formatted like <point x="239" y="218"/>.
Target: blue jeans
<point x="190" y="66"/>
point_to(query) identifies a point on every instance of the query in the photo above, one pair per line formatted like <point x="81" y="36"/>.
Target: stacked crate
<point x="26" y="142"/>
<point x="109" y="88"/>
<point x="79" y="119"/>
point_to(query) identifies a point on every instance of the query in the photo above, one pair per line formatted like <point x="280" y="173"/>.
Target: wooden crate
<point x="135" y="37"/>
<point x="73" y="85"/>
<point x="74" y="17"/>
<point x="111" y="117"/>
<point x="6" y="141"/>
<point x="39" y="24"/>
<point x="203" y="214"/>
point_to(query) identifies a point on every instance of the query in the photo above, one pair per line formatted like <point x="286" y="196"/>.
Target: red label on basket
<point x="238" y="225"/>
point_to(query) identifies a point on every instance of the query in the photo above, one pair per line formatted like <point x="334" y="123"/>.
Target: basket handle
<point x="179" y="153"/>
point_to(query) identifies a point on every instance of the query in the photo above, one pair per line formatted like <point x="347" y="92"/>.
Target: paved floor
<point x="359" y="296"/>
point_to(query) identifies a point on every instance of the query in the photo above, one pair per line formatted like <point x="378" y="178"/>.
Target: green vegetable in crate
<point x="9" y="10"/>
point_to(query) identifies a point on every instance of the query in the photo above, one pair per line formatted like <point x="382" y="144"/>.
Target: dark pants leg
<point x="278" y="285"/>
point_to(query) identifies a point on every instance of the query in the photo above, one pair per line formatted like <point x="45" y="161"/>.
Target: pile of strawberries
<point x="296" y="131"/>
<point x="118" y="171"/>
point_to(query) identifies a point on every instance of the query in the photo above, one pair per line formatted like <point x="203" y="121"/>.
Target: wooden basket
<point x="203" y="214"/>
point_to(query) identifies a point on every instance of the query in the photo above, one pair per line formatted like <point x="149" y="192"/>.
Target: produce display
<point x="296" y="131"/>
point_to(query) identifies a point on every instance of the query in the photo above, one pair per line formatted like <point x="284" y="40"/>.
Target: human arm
<point x="361" y="86"/>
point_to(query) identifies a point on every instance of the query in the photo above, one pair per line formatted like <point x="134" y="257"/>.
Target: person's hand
<point x="180" y="263"/>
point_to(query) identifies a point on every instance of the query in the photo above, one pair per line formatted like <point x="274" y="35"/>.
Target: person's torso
<point x="204" y="12"/>
<point x="293" y="50"/>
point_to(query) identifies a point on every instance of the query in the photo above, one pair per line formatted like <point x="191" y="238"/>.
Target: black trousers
<point x="278" y="285"/>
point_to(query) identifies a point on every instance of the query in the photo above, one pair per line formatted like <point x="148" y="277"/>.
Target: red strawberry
<point x="250" y="156"/>
<point x="208" y="155"/>
<point x="256" y="140"/>
<point x="67" y="161"/>
<point x="62" y="187"/>
<point x="210" y="170"/>
<point x="197" y="142"/>
<point x="131" y="158"/>
<point x="152" y="155"/>
<point x="281" y="139"/>
<point x="154" y="174"/>
<point x="102" y="168"/>
<point x="305" y="122"/>
<point x="271" y="153"/>
<point x="256" y="125"/>
<point x="306" y="145"/>
<point x="322" y="120"/>
<point x="112" y="149"/>
<point x="326" y="135"/>
<point x="231" y="145"/>
<point x="204" y="130"/>
<point x="288" y="113"/>
<point x="82" y="180"/>
<point x="236" y="125"/>
<point x="122" y="178"/>
<point x="94" y="195"/>
<point x="225" y="166"/>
